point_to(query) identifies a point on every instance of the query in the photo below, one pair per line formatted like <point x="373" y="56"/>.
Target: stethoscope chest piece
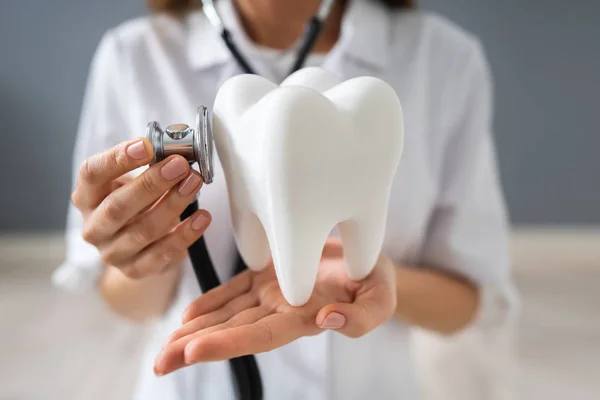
<point x="195" y="145"/>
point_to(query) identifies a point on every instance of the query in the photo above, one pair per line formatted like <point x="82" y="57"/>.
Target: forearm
<point x="139" y="299"/>
<point x="433" y="300"/>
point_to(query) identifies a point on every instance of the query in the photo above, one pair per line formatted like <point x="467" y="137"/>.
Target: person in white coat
<point x="433" y="320"/>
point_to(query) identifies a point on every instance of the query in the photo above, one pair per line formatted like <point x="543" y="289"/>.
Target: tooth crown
<point x="301" y="158"/>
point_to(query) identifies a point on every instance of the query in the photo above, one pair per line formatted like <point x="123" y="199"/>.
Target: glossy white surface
<point x="301" y="158"/>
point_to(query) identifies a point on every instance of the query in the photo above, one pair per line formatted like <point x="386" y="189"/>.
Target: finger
<point x="119" y="207"/>
<point x="269" y="333"/>
<point x="171" y="357"/>
<point x="153" y="224"/>
<point x="245" y="317"/>
<point x="223" y="314"/>
<point x="333" y="248"/>
<point x="219" y="296"/>
<point x="97" y="172"/>
<point x="369" y="310"/>
<point x="157" y="257"/>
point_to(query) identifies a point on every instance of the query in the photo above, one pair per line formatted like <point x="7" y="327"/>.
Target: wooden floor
<point x="55" y="345"/>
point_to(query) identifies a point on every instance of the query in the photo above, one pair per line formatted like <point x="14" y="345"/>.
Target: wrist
<point x="403" y="288"/>
<point x="139" y="299"/>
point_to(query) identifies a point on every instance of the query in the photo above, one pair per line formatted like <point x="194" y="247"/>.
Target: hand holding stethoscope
<point x="134" y="222"/>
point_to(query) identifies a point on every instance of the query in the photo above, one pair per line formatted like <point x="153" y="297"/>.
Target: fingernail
<point x="334" y="321"/>
<point x="174" y="168"/>
<point x="157" y="362"/>
<point x="187" y="186"/>
<point x="190" y="353"/>
<point x="185" y="317"/>
<point x="137" y="151"/>
<point x="200" y="222"/>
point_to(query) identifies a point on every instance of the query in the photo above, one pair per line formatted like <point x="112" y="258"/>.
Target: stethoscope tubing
<point x="245" y="369"/>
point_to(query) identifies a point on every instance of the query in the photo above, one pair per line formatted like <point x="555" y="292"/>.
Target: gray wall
<point x="545" y="55"/>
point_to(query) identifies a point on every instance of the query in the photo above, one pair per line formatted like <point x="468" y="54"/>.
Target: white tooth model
<point x="301" y="158"/>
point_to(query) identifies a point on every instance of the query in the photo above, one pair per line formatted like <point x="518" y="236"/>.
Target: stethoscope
<point x="196" y="146"/>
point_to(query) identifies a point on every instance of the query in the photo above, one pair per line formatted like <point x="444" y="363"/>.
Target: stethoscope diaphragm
<point x="195" y="145"/>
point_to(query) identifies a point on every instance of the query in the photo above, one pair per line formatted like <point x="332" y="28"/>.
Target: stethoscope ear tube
<point x="312" y="31"/>
<point x="239" y="59"/>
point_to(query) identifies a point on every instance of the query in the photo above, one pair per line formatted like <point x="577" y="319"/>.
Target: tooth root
<point x="297" y="247"/>
<point x="362" y="237"/>
<point x="233" y="99"/>
<point x="251" y="241"/>
<point x="300" y="206"/>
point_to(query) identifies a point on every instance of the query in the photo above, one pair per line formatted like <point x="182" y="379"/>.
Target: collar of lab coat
<point x="364" y="36"/>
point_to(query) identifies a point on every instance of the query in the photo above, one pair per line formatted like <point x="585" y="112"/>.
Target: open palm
<point x="249" y="314"/>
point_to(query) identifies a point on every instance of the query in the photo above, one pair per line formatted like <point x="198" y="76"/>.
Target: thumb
<point x="369" y="310"/>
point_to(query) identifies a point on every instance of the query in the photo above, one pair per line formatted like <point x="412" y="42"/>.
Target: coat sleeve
<point x="101" y="126"/>
<point x="468" y="237"/>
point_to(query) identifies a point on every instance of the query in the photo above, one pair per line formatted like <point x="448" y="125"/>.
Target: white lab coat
<point x="446" y="208"/>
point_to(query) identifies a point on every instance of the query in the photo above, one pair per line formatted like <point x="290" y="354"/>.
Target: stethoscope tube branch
<point x="311" y="32"/>
<point x="241" y="61"/>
